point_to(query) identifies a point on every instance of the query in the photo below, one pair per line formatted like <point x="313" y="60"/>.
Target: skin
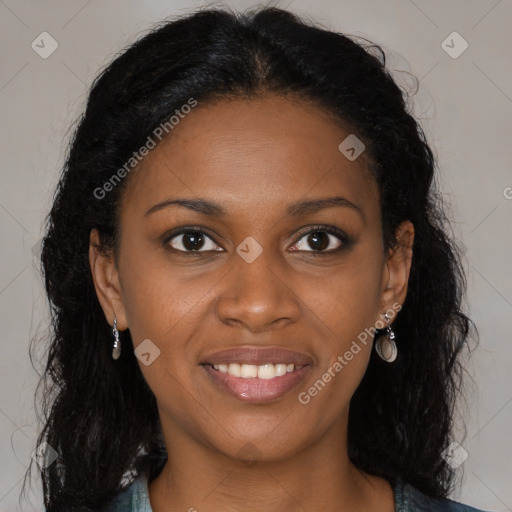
<point x="254" y="158"/>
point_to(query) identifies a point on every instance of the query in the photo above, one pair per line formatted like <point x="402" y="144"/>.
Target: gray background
<point x="464" y="104"/>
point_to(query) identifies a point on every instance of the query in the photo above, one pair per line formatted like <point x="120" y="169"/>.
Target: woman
<point x="256" y="305"/>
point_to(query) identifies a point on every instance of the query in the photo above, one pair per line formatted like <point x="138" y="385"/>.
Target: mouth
<point x="257" y="374"/>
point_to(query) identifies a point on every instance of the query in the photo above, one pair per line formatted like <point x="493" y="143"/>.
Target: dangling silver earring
<point x="385" y="345"/>
<point x="116" y="350"/>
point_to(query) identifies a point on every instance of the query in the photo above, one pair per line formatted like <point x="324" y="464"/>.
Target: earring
<point x="385" y="345"/>
<point x="116" y="350"/>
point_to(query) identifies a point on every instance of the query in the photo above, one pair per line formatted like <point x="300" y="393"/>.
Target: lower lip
<point x="255" y="390"/>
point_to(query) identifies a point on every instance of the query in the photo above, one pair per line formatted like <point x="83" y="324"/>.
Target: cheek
<point x="345" y="311"/>
<point x="347" y="302"/>
<point x="167" y="310"/>
<point x="156" y="299"/>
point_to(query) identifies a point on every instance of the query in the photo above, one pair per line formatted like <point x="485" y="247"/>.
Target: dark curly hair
<point x="102" y="417"/>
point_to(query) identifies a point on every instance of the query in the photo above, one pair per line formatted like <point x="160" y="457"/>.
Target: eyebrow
<point x="296" y="209"/>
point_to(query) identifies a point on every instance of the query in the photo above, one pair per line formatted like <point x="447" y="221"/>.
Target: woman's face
<point x="264" y="182"/>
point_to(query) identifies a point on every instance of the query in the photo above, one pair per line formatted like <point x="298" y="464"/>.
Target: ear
<point x="398" y="265"/>
<point x="106" y="282"/>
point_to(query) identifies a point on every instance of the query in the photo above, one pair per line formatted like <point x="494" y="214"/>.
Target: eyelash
<point x="346" y="241"/>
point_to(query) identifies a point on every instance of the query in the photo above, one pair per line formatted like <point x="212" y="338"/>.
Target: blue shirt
<point x="135" y="498"/>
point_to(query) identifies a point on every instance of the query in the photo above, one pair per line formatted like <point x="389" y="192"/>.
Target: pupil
<point x="318" y="240"/>
<point x="193" y="241"/>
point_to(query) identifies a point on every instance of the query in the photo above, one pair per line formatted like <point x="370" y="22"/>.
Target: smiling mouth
<point x="257" y="374"/>
<point x="256" y="384"/>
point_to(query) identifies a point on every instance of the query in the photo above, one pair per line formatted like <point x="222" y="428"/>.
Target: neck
<point x="319" y="477"/>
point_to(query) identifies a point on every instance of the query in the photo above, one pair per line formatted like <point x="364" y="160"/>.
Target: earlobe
<point x="398" y="266"/>
<point x="106" y="282"/>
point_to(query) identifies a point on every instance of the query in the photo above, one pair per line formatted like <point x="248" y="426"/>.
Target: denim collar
<point x="135" y="498"/>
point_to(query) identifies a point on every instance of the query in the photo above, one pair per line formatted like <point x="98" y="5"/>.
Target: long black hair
<point x="100" y="416"/>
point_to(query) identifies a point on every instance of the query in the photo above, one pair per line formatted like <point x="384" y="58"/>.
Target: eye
<point x="192" y="240"/>
<point x="322" y="240"/>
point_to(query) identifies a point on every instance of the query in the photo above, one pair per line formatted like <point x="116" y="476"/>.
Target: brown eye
<point x="318" y="241"/>
<point x="192" y="241"/>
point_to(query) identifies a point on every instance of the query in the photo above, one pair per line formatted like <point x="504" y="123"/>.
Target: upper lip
<point x="258" y="356"/>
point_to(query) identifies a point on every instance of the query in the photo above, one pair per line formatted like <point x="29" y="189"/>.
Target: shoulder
<point x="410" y="499"/>
<point x="134" y="498"/>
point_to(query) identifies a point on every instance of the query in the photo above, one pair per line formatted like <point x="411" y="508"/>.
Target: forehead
<point x="253" y="154"/>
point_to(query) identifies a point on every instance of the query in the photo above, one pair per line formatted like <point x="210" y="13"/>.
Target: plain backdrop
<point x="464" y="103"/>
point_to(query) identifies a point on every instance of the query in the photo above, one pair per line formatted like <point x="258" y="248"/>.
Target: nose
<point x="258" y="296"/>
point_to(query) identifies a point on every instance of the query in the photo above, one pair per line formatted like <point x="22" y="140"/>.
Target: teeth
<point x="248" y="371"/>
<point x="251" y="371"/>
<point x="266" y="371"/>
<point x="234" y="369"/>
<point x="281" y="369"/>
